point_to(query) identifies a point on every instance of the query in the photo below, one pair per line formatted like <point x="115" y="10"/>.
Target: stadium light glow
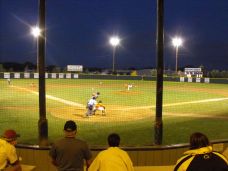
<point x="114" y="41"/>
<point x="35" y="31"/>
<point x="177" y="41"/>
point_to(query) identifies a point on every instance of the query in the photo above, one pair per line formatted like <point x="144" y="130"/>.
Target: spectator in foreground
<point x="113" y="158"/>
<point x="201" y="156"/>
<point x="9" y="160"/>
<point x="69" y="153"/>
<point x="225" y="153"/>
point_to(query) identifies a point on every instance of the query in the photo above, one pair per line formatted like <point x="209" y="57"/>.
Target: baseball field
<point x="187" y="107"/>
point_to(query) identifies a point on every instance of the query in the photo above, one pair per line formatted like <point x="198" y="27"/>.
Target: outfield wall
<point x="140" y="156"/>
<point x="109" y="77"/>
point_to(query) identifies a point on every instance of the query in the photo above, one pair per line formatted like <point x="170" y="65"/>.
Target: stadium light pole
<point x="114" y="41"/>
<point x="158" y="125"/>
<point x="36" y="32"/>
<point x="177" y="41"/>
<point x="42" y="123"/>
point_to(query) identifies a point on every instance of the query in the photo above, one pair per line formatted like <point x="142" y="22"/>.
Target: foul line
<point x="53" y="97"/>
<point x="180" y="103"/>
<point x="127" y="108"/>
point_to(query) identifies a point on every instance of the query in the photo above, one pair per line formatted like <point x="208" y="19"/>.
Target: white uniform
<point x="92" y="102"/>
<point x="90" y="106"/>
<point x="9" y="81"/>
<point x="129" y="86"/>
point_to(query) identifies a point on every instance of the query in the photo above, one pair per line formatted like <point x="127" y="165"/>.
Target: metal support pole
<point x="42" y="123"/>
<point x="113" y="59"/>
<point x="158" y="127"/>
<point x="37" y="57"/>
<point x="176" y="58"/>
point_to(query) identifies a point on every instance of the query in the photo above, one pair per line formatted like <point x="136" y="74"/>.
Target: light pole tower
<point x="42" y="123"/>
<point x="114" y="41"/>
<point x="176" y="43"/>
<point x="36" y="32"/>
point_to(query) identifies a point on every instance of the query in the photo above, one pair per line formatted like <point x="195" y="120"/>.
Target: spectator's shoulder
<point x="225" y="153"/>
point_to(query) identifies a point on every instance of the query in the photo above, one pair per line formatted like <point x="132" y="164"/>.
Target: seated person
<point x="113" y="158"/>
<point x="225" y="153"/>
<point x="8" y="157"/>
<point x="201" y="156"/>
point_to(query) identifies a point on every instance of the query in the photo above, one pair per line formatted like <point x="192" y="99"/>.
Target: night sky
<point x="78" y="32"/>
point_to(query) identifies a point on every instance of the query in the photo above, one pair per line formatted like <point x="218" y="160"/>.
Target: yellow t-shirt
<point x="112" y="159"/>
<point x="7" y="154"/>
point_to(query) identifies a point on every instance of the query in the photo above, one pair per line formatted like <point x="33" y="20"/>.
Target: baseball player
<point x="96" y="95"/>
<point x="91" y="106"/>
<point x="99" y="106"/>
<point x="9" y="81"/>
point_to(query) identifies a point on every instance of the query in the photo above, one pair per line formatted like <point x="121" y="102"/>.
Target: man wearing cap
<point x="8" y="156"/>
<point x="69" y="153"/>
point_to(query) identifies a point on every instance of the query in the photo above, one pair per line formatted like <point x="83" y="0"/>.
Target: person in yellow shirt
<point x="8" y="157"/>
<point x="113" y="158"/>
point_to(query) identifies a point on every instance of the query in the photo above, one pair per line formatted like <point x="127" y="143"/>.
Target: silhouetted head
<point x="70" y="126"/>
<point x="198" y="140"/>
<point x="113" y="140"/>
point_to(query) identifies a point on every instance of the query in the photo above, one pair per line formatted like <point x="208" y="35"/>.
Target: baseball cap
<point x="70" y="126"/>
<point x="10" y="135"/>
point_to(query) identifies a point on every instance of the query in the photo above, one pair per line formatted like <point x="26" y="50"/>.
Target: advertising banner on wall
<point x="198" y="80"/>
<point x="189" y="79"/>
<point x="78" y="68"/>
<point x="75" y="76"/>
<point x="36" y="75"/>
<point x="6" y="75"/>
<point x="17" y="75"/>
<point x="26" y="75"/>
<point x="61" y="75"/>
<point x="53" y="75"/>
<point x="68" y="75"/>
<point x="207" y="80"/>
<point x="181" y="79"/>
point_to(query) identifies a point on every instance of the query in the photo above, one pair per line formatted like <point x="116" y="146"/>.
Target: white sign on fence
<point x="68" y="75"/>
<point x="61" y="75"/>
<point x="17" y="75"/>
<point x="6" y="75"/>
<point x="181" y="79"/>
<point x="192" y="69"/>
<point x="36" y="75"/>
<point x="198" y="80"/>
<point x="207" y="80"/>
<point x="75" y="68"/>
<point x="75" y="76"/>
<point x="53" y="75"/>
<point x="189" y="80"/>
<point x="26" y="75"/>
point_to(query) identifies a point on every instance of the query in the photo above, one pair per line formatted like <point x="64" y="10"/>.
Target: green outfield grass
<point x="187" y="107"/>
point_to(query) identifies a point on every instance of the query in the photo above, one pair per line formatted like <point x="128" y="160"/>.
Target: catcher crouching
<point x="100" y="107"/>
